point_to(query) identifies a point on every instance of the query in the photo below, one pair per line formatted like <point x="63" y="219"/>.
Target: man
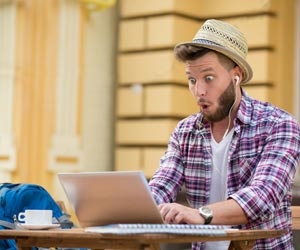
<point x="238" y="156"/>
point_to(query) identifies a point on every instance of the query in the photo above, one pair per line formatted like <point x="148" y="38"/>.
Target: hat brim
<point x="243" y="64"/>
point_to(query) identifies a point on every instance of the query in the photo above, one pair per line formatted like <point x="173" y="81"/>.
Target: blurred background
<point x="92" y="85"/>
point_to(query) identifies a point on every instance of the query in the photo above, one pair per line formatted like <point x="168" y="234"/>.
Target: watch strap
<point x="207" y="217"/>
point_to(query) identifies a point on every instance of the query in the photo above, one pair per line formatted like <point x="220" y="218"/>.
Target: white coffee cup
<point x="36" y="217"/>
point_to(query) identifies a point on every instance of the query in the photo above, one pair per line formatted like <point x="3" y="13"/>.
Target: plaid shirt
<point x="262" y="161"/>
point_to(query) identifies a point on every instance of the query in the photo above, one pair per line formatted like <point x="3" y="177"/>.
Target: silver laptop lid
<point x="111" y="197"/>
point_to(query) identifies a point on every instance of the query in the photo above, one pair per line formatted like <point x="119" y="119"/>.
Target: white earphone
<point x="237" y="79"/>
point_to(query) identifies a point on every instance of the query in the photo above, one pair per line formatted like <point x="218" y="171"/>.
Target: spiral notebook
<point x="110" y="197"/>
<point x="184" y="229"/>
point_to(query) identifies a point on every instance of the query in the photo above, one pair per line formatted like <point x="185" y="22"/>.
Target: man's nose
<point x="199" y="89"/>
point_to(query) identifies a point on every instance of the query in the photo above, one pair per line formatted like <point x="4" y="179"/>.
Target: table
<point x="77" y="238"/>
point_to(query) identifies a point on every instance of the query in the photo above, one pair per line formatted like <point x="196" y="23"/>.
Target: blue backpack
<point x="16" y="198"/>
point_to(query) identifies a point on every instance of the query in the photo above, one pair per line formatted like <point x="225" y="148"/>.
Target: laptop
<point x="120" y="202"/>
<point x="110" y="197"/>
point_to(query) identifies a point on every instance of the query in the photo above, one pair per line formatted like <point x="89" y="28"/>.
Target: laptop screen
<point x="110" y="197"/>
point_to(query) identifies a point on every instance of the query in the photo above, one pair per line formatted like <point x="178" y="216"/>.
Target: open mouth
<point x="203" y="106"/>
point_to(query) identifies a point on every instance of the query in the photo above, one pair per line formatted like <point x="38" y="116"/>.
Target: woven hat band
<point x="203" y="41"/>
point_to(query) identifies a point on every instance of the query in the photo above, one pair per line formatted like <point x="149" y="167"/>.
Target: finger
<point x="163" y="210"/>
<point x="170" y="215"/>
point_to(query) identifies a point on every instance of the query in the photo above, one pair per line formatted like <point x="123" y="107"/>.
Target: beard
<point x="226" y="101"/>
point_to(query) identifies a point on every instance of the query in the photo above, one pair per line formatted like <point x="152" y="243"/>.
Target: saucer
<point x="39" y="227"/>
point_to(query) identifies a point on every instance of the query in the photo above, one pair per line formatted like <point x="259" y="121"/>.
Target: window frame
<point x="297" y="62"/>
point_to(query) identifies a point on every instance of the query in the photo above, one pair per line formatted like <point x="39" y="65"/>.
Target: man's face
<point x="212" y="86"/>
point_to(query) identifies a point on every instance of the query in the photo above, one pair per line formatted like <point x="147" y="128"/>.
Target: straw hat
<point x="226" y="39"/>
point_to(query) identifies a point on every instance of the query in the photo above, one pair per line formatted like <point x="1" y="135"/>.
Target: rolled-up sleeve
<point x="274" y="171"/>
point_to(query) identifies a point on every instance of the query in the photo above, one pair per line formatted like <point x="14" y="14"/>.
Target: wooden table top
<point x="80" y="238"/>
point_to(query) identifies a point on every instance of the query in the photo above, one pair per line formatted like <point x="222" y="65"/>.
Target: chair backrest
<point x="295" y="217"/>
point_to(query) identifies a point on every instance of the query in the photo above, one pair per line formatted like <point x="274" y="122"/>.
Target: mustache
<point x="202" y="101"/>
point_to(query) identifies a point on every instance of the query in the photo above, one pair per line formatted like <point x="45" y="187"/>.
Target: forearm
<point x="227" y="212"/>
<point x="224" y="213"/>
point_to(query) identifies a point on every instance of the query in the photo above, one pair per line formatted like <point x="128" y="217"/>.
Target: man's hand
<point x="174" y="213"/>
<point x="226" y="212"/>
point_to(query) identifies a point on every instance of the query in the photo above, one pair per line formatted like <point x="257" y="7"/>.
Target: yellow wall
<point x="36" y="38"/>
<point x="152" y="92"/>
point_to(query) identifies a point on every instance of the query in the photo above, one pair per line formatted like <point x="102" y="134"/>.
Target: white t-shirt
<point x="218" y="191"/>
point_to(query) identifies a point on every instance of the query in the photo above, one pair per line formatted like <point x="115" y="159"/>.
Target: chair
<point x="62" y="206"/>
<point x="295" y="217"/>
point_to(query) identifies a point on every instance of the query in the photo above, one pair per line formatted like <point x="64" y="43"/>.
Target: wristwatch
<point x="207" y="214"/>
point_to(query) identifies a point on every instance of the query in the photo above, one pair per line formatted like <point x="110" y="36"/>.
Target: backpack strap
<point x="65" y="221"/>
<point x="7" y="224"/>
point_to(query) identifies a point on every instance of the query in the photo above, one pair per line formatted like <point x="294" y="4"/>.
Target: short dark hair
<point x="189" y="53"/>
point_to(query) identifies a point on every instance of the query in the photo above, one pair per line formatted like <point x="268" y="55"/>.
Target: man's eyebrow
<point x="209" y="69"/>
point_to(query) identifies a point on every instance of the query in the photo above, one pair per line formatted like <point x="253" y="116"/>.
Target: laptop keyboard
<point x="191" y="229"/>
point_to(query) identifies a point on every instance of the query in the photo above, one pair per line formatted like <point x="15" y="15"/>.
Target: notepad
<point x="187" y="229"/>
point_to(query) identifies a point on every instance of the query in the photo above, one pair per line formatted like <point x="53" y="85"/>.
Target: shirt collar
<point x="245" y="109"/>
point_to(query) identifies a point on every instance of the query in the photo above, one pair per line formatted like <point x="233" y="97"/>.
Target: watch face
<point x="207" y="211"/>
<point x="207" y="214"/>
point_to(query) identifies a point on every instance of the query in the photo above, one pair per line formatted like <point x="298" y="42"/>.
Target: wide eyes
<point x="207" y="79"/>
<point x="192" y="81"/>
